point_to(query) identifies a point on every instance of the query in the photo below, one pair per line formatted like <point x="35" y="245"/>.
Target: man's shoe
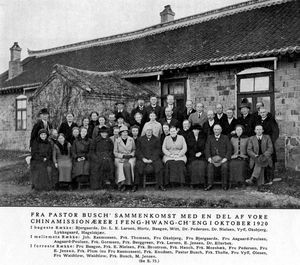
<point x="209" y="187"/>
<point x="134" y="188"/>
<point x="123" y="188"/>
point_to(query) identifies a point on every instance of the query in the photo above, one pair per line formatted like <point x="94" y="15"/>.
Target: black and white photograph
<point x="178" y="107"/>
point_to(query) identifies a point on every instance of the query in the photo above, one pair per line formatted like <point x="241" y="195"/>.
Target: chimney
<point x="167" y="14"/>
<point x="15" y="64"/>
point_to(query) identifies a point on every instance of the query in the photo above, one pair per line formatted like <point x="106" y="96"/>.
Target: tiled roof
<point x="262" y="30"/>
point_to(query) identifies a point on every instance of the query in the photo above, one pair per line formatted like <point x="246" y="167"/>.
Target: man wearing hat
<point x="139" y="109"/>
<point x="42" y="123"/>
<point x="122" y="112"/>
<point x="260" y="149"/>
<point x="246" y="119"/>
<point x="218" y="152"/>
<point x="148" y="155"/>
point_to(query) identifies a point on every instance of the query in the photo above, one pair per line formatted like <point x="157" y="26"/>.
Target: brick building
<point x="249" y="50"/>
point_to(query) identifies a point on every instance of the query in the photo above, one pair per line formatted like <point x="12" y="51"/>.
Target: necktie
<point x="239" y="146"/>
<point x="259" y="146"/>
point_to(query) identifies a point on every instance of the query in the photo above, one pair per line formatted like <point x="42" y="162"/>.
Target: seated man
<point x="218" y="152"/>
<point x="148" y="155"/>
<point x="260" y="150"/>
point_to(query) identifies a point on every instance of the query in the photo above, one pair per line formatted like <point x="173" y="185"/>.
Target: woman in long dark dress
<point x="62" y="160"/>
<point x="196" y="159"/>
<point x="80" y="151"/>
<point x="239" y="160"/>
<point x="101" y="160"/>
<point x="40" y="164"/>
<point x="53" y="139"/>
<point x="174" y="149"/>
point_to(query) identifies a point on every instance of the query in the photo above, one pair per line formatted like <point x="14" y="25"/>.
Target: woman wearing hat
<point x="80" y="150"/>
<point x="174" y="148"/>
<point x="124" y="151"/>
<point x="40" y="164"/>
<point x="195" y="155"/>
<point x="101" y="157"/>
<point x="238" y="166"/>
<point x="62" y="160"/>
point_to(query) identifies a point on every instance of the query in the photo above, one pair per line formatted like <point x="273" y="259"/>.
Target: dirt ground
<point x="15" y="190"/>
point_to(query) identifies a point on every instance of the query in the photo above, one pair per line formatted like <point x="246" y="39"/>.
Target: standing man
<point x="270" y="127"/>
<point x="187" y="111"/>
<point x="230" y="123"/>
<point x="218" y="152"/>
<point x="209" y="124"/>
<point x="171" y="105"/>
<point x="246" y="119"/>
<point x="121" y="111"/>
<point x="67" y="126"/>
<point x="42" y="123"/>
<point x="199" y="116"/>
<point x="169" y="118"/>
<point x="153" y="107"/>
<point x="141" y="109"/>
<point x="259" y="149"/>
<point x="220" y="117"/>
<point x="148" y="154"/>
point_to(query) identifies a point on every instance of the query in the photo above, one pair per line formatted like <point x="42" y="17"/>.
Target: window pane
<point x="246" y="84"/>
<point x="21" y="104"/>
<point x="23" y="115"/>
<point x="19" y="124"/>
<point x="19" y="115"/>
<point x="178" y="88"/>
<point x="261" y="83"/>
<point x="24" y="124"/>
<point x="165" y="89"/>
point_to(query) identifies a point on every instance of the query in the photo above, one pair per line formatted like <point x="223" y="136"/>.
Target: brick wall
<point x="10" y="138"/>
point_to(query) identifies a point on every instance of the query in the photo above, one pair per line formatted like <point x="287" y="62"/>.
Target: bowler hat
<point x="103" y="129"/>
<point x="44" y="111"/>
<point x="196" y="127"/>
<point x="119" y="115"/>
<point x="120" y="102"/>
<point x="245" y="105"/>
<point x="262" y="161"/>
<point x="216" y="160"/>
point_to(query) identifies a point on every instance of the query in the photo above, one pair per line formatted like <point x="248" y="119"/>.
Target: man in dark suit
<point x="259" y="149"/>
<point x="246" y="119"/>
<point x="169" y="118"/>
<point x="270" y="127"/>
<point x="67" y="126"/>
<point x="121" y="111"/>
<point x="220" y="117"/>
<point x="230" y="123"/>
<point x="148" y="155"/>
<point x="187" y="111"/>
<point x="42" y="123"/>
<point x="218" y="152"/>
<point x="141" y="109"/>
<point x="170" y="105"/>
<point x="208" y="125"/>
<point x="153" y="107"/>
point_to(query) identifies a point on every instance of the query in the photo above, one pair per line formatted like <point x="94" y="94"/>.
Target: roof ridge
<point x="158" y="28"/>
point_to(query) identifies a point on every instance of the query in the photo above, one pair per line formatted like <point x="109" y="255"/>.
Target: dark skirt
<point x="175" y="171"/>
<point x="197" y="171"/>
<point x="238" y="170"/>
<point x="81" y="168"/>
<point x="64" y="168"/>
<point x="41" y="175"/>
<point x="102" y="171"/>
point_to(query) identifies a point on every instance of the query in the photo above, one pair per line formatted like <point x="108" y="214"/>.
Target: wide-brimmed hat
<point x="216" y="160"/>
<point x="196" y="126"/>
<point x="119" y="115"/>
<point x="123" y="128"/>
<point x="245" y="105"/>
<point x="103" y="129"/>
<point x="44" y="111"/>
<point x="262" y="161"/>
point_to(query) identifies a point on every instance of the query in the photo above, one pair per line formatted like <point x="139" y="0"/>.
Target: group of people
<point x="176" y="147"/>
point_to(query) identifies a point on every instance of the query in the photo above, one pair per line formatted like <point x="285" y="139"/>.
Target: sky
<point x="41" y="24"/>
